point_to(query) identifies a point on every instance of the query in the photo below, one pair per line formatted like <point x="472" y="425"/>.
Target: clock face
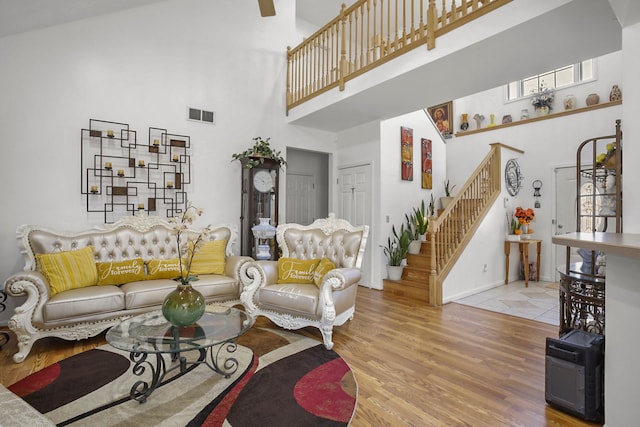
<point x="262" y="181"/>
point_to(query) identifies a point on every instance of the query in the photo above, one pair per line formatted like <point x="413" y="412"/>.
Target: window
<point x="558" y="78"/>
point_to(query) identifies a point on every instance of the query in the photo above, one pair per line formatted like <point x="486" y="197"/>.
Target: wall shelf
<point x="539" y="118"/>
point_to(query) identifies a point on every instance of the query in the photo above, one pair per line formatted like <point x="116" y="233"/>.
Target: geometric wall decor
<point x="121" y="175"/>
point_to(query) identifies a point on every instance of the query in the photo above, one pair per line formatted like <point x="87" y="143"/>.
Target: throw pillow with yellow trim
<point x="325" y="266"/>
<point x="292" y="270"/>
<point x="119" y="272"/>
<point x="68" y="270"/>
<point x="163" y="268"/>
<point x="209" y="258"/>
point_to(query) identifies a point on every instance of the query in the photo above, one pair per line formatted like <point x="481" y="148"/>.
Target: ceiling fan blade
<point x="267" y="8"/>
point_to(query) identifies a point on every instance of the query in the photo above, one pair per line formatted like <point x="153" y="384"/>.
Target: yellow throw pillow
<point x="209" y="258"/>
<point x="119" y="272"/>
<point x="163" y="269"/>
<point x="68" y="270"/>
<point x="292" y="270"/>
<point x="325" y="266"/>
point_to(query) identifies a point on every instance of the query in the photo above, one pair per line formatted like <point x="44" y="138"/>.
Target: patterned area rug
<point x="283" y="379"/>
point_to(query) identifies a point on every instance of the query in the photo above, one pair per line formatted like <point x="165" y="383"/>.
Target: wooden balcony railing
<point x="368" y="34"/>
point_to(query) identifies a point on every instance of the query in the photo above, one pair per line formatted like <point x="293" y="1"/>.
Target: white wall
<point x="547" y="144"/>
<point x="400" y="197"/>
<point x="143" y="67"/>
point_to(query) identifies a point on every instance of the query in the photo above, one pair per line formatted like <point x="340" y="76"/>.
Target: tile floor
<point x="537" y="302"/>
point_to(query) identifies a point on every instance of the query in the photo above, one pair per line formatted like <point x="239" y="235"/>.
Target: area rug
<point x="283" y="379"/>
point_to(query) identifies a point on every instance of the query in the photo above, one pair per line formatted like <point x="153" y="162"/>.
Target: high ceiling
<point x="17" y="16"/>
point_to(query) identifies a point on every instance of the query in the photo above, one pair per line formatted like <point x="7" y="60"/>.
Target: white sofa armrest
<point x="255" y="275"/>
<point x="233" y="264"/>
<point x="341" y="278"/>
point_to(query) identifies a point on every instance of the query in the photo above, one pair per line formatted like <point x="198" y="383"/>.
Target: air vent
<point x="201" y="115"/>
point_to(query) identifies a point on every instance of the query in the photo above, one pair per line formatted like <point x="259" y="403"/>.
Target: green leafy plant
<point x="398" y="246"/>
<point x="412" y="226"/>
<point x="448" y="188"/>
<point x="432" y="206"/>
<point x="421" y="219"/>
<point x="261" y="150"/>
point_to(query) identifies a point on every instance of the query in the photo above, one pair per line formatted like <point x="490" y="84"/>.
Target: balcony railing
<point x="368" y="34"/>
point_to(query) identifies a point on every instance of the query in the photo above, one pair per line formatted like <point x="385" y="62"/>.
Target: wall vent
<point x="200" y="115"/>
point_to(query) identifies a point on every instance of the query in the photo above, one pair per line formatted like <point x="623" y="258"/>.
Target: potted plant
<point x="257" y="154"/>
<point x="417" y="223"/>
<point x="396" y="251"/>
<point x="446" y="200"/>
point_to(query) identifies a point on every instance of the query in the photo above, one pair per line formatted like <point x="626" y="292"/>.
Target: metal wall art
<point x="121" y="176"/>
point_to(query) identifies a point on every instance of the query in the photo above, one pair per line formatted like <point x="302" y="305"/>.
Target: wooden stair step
<point x="413" y="290"/>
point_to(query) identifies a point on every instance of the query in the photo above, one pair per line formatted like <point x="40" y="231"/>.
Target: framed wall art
<point x="427" y="164"/>
<point x="441" y="116"/>
<point x="406" y="153"/>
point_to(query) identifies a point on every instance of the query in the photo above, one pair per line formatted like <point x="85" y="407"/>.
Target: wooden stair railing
<point x="451" y="231"/>
<point x="368" y="34"/>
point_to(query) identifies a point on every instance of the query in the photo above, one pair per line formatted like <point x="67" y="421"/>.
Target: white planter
<point x="513" y="237"/>
<point x="445" y="201"/>
<point x="394" y="272"/>
<point x="414" y="246"/>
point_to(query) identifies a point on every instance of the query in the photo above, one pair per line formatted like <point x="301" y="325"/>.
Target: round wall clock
<point x="512" y="177"/>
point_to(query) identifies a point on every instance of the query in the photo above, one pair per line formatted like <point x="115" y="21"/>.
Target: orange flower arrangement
<point x="525" y="216"/>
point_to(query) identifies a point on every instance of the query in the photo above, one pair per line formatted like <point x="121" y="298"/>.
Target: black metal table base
<point x="218" y="360"/>
<point x="4" y="335"/>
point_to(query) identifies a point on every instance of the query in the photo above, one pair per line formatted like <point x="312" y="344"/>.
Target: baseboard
<point x="474" y="291"/>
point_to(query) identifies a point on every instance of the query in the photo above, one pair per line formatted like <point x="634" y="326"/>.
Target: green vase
<point x="183" y="306"/>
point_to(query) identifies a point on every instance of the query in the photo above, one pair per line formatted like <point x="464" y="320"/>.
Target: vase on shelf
<point x="524" y="114"/>
<point x="543" y="110"/>
<point x="593" y="99"/>
<point x="464" y="125"/>
<point x="569" y="102"/>
<point x="183" y="306"/>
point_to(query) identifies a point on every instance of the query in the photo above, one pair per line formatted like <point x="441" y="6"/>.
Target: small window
<point x="555" y="79"/>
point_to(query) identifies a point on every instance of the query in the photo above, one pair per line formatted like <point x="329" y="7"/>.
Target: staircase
<point x="450" y="232"/>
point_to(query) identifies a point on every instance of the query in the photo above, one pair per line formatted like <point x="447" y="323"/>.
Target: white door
<point x="301" y="196"/>
<point x="565" y="217"/>
<point x="355" y="194"/>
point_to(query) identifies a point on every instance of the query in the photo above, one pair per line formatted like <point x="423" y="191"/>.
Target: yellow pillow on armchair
<point x="325" y="266"/>
<point x="293" y="270"/>
<point x="68" y="270"/>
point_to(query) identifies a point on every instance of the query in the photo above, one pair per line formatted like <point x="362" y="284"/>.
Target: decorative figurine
<point x="478" y="118"/>
<point x="616" y="94"/>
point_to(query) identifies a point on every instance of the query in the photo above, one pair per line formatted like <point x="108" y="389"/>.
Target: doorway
<point x="565" y="215"/>
<point x="307" y="186"/>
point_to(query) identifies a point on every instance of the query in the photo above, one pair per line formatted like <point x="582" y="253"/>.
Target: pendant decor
<point x="183" y="306"/>
<point x="512" y="177"/>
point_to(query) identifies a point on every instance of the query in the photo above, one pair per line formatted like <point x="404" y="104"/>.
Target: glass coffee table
<point x="150" y="334"/>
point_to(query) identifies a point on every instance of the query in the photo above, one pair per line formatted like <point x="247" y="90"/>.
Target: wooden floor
<point x="415" y="365"/>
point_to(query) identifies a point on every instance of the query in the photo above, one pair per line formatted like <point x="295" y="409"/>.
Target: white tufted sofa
<point x="295" y="306"/>
<point x="81" y="313"/>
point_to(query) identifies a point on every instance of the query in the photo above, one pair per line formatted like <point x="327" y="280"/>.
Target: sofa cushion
<point x="83" y="302"/>
<point x="300" y="298"/>
<point x="293" y="270"/>
<point x="163" y="268"/>
<point x="119" y="272"/>
<point x="323" y="268"/>
<point x="148" y="293"/>
<point x="209" y="258"/>
<point x="69" y="269"/>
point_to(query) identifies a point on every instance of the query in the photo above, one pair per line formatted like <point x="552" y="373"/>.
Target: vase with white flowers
<point x="185" y="305"/>
<point x="542" y="100"/>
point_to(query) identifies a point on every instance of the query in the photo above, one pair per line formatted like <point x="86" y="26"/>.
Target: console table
<point x="523" y="246"/>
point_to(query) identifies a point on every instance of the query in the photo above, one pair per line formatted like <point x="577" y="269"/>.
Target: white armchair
<point x="297" y="305"/>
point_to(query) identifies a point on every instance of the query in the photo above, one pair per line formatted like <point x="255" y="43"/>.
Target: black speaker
<point x="574" y="374"/>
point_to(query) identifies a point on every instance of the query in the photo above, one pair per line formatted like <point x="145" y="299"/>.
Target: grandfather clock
<point x="259" y="200"/>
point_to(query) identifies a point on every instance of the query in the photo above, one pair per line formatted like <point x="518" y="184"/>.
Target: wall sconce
<point x="537" y="185"/>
